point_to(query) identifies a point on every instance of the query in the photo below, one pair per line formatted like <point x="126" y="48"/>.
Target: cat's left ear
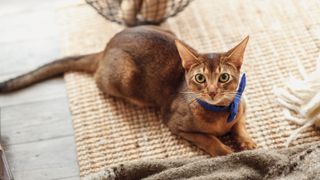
<point x="187" y="54"/>
<point x="235" y="55"/>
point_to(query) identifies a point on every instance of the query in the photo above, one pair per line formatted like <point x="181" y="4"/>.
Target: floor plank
<point x="47" y="90"/>
<point x="24" y="56"/>
<point x="28" y="25"/>
<point x="68" y="178"/>
<point x="35" y="121"/>
<point x="51" y="159"/>
<point x="36" y="127"/>
<point x="28" y="40"/>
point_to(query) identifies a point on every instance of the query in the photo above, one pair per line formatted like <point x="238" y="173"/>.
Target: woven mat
<point x="109" y="131"/>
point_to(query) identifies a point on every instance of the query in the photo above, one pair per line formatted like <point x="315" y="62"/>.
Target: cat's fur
<point x="148" y="66"/>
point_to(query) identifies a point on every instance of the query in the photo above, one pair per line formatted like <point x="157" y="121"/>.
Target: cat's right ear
<point x="188" y="55"/>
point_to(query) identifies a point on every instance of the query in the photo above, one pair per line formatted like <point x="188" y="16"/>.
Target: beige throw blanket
<point x="299" y="163"/>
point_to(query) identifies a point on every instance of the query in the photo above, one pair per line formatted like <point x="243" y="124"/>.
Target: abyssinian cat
<point x="148" y="66"/>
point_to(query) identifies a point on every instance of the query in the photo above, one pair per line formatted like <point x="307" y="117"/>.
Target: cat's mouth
<point x="216" y="101"/>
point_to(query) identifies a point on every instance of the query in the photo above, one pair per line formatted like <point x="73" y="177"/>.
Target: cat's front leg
<point x="208" y="143"/>
<point x="242" y="136"/>
<point x="180" y="122"/>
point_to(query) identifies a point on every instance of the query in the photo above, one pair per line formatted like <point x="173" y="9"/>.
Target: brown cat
<point x="148" y="66"/>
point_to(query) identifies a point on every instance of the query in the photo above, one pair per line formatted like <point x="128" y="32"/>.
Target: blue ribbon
<point x="234" y="105"/>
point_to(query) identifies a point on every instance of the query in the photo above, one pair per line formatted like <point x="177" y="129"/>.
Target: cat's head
<point x="212" y="77"/>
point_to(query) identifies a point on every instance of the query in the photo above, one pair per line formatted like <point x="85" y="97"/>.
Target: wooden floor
<point x="36" y="127"/>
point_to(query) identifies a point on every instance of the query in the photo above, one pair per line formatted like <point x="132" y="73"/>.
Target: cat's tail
<point x="86" y="63"/>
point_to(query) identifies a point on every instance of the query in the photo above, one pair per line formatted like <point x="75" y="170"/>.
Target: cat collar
<point x="234" y="105"/>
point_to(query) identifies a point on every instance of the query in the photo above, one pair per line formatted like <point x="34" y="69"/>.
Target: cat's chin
<point x="216" y="102"/>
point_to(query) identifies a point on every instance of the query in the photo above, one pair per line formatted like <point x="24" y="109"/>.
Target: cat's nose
<point x="212" y="90"/>
<point x="212" y="94"/>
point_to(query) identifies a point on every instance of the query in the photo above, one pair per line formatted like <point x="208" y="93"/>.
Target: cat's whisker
<point x="192" y="101"/>
<point x="228" y="91"/>
<point x="186" y="92"/>
<point x="231" y="94"/>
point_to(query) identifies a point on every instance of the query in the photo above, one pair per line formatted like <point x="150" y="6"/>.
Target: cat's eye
<point x="224" y="77"/>
<point x="200" y="78"/>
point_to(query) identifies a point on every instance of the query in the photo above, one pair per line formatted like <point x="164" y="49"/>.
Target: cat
<point x="149" y="66"/>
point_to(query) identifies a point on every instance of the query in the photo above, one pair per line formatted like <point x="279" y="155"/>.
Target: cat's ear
<point x="188" y="55"/>
<point x="235" y="55"/>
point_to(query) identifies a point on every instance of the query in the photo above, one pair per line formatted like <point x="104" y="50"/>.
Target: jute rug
<point x="109" y="131"/>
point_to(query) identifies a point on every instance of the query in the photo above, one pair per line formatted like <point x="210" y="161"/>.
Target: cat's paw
<point x="220" y="151"/>
<point x="227" y="150"/>
<point x="247" y="144"/>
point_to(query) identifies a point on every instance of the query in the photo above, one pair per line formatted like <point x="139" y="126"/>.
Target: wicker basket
<point x="137" y="12"/>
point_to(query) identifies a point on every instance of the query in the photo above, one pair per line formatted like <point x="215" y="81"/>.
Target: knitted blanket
<point x="297" y="163"/>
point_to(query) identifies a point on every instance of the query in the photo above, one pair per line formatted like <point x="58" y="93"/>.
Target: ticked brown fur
<point x="148" y="66"/>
